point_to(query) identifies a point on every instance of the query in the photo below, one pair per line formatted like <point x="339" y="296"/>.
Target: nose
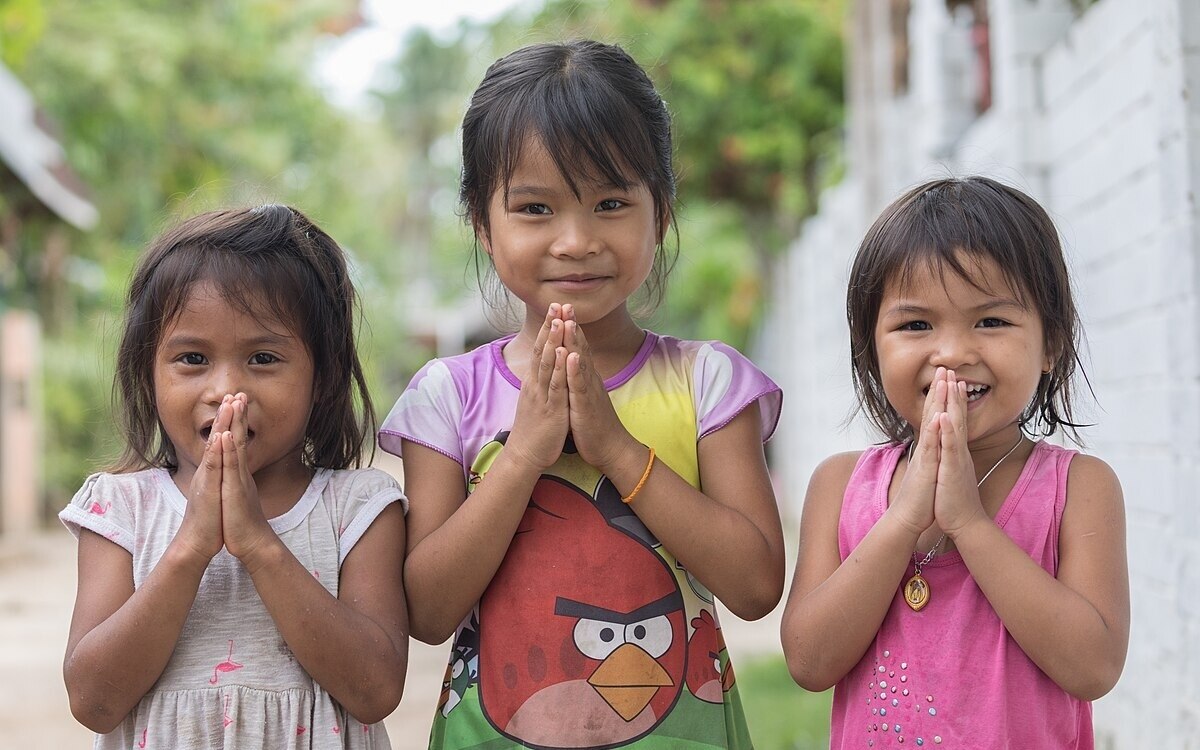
<point x="955" y="349"/>
<point x="223" y="379"/>
<point x="574" y="239"/>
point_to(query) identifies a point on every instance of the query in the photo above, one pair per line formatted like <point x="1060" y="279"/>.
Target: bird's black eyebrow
<point x="571" y="608"/>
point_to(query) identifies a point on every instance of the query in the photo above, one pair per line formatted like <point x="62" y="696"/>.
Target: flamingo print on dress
<point x="96" y="509"/>
<point x="143" y="741"/>
<point x="228" y="665"/>
<point x="225" y="717"/>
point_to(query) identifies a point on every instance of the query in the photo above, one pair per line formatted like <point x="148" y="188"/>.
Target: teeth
<point x="975" y="392"/>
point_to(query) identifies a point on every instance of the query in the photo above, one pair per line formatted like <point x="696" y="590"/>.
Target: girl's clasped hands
<point x="939" y="488"/>
<point x="223" y="507"/>
<point x="565" y="395"/>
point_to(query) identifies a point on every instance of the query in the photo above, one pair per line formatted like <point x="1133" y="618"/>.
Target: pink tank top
<point x="950" y="676"/>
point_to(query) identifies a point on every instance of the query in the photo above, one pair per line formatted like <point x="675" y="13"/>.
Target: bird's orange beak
<point x="628" y="679"/>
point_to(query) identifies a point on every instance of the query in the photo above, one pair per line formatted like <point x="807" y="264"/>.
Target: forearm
<point x="826" y="631"/>
<point x="114" y="665"/>
<point x="1058" y="629"/>
<point x="738" y="560"/>
<point x="347" y="653"/>
<point x="447" y="572"/>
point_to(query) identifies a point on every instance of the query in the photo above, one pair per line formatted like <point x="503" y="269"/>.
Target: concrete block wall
<point x="1099" y="120"/>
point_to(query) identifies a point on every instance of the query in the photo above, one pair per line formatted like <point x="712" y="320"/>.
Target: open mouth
<point x="206" y="433"/>
<point x="975" y="391"/>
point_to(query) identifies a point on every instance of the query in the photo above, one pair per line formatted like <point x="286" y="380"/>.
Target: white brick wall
<point x="1099" y="118"/>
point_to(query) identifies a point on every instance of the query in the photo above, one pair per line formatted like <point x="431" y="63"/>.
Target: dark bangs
<point x="593" y="109"/>
<point x="950" y="226"/>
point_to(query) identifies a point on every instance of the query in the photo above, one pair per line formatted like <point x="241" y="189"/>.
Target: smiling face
<point x="213" y="348"/>
<point x="978" y="327"/>
<point x="549" y="245"/>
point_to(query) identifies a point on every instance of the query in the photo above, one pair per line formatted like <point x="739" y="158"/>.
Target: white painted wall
<point x="1098" y="117"/>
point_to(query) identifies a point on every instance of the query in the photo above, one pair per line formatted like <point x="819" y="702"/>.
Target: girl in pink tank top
<point x="965" y="584"/>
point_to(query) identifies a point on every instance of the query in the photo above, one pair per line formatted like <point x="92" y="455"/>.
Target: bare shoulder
<point x="1091" y="478"/>
<point x="834" y="472"/>
<point x="1093" y="491"/>
<point x="827" y="486"/>
<point x="1088" y="468"/>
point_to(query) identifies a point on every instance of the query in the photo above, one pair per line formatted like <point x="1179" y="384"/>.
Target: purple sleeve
<point x="726" y="383"/>
<point x="429" y="412"/>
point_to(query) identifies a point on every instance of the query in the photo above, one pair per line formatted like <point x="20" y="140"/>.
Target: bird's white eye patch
<point x="596" y="639"/>
<point x="653" y="635"/>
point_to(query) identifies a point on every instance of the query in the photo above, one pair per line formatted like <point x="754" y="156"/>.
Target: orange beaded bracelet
<point x="645" y="475"/>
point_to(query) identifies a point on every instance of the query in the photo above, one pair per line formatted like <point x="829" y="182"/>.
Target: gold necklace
<point x="916" y="590"/>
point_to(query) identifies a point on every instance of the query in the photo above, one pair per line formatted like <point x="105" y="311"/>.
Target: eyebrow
<point x="571" y="608"/>
<point x="524" y="191"/>
<point x="529" y="190"/>
<point x="998" y="303"/>
<point x="263" y="340"/>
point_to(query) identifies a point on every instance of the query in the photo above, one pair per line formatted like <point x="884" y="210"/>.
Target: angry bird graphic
<point x="582" y="639"/>
<point x="709" y="671"/>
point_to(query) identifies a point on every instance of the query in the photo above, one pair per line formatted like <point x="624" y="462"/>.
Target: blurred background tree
<point x="167" y="109"/>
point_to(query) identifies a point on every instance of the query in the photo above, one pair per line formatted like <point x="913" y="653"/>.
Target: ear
<point x="1049" y="361"/>
<point x="483" y="236"/>
<point x="664" y="218"/>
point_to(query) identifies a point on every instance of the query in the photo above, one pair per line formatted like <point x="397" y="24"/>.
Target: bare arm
<point x="727" y="534"/>
<point x="835" y="608"/>
<point x="1074" y="627"/>
<point x="121" y="639"/>
<point x="356" y="645"/>
<point x="456" y="543"/>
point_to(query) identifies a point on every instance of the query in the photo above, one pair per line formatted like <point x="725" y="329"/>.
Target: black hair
<point x="944" y="223"/>
<point x="271" y="261"/>
<point x="594" y="110"/>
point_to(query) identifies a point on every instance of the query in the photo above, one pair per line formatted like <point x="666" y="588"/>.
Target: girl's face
<point x="548" y="245"/>
<point x="991" y="341"/>
<point x="213" y="348"/>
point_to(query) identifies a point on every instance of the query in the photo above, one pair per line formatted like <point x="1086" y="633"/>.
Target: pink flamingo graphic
<point x="143" y="742"/>
<point x="317" y="574"/>
<point x="98" y="510"/>
<point x="301" y="730"/>
<point x="226" y="718"/>
<point x="228" y="665"/>
<point x="337" y="729"/>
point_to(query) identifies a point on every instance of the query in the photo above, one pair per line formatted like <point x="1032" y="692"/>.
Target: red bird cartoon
<point x="582" y="630"/>
<point x="706" y="678"/>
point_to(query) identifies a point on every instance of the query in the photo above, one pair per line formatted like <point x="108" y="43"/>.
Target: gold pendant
<point x="916" y="592"/>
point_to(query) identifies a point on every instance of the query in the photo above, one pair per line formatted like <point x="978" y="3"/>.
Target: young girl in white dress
<point x="240" y="584"/>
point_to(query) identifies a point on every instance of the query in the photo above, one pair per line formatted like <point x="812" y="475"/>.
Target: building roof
<point x="36" y="158"/>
